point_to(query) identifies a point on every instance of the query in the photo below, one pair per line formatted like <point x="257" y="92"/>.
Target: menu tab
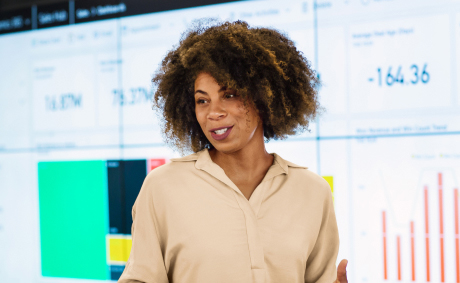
<point x="52" y="15"/>
<point x="88" y="10"/>
<point x="137" y="7"/>
<point x="14" y="21"/>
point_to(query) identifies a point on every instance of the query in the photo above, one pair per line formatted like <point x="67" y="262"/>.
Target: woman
<point x="231" y="212"/>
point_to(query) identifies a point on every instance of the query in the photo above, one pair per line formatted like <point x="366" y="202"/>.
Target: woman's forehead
<point x="206" y="80"/>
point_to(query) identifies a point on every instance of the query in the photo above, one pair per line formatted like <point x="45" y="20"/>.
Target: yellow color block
<point x="330" y="180"/>
<point x="129" y="244"/>
<point x="119" y="249"/>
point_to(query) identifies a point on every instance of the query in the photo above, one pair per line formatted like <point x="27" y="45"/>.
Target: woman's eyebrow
<point x="204" y="92"/>
<point x="200" y="91"/>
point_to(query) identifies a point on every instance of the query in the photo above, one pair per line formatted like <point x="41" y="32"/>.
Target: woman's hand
<point x="342" y="272"/>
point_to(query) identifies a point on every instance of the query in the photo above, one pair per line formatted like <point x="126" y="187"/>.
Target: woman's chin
<point x="226" y="148"/>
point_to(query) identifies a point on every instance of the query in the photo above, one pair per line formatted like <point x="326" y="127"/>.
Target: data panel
<point x="78" y="134"/>
<point x="398" y="64"/>
<point x="405" y="195"/>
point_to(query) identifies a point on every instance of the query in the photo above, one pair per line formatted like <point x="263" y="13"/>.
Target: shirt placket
<point x="256" y="251"/>
<point x="250" y="209"/>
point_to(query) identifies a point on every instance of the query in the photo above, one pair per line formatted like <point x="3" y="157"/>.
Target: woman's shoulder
<point x="303" y="176"/>
<point x="175" y="169"/>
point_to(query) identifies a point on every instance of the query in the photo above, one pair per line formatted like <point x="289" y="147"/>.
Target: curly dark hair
<point x="261" y="64"/>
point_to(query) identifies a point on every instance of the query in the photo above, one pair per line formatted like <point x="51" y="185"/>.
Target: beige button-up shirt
<point x="192" y="224"/>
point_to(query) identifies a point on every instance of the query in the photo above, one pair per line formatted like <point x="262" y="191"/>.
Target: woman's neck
<point x="251" y="160"/>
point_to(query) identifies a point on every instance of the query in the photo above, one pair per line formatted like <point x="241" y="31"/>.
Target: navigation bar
<point x="82" y="11"/>
<point x="19" y="20"/>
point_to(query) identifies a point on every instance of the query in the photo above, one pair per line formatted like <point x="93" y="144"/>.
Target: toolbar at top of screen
<point x="74" y="12"/>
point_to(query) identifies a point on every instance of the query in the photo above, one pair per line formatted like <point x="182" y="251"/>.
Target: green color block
<point x="73" y="219"/>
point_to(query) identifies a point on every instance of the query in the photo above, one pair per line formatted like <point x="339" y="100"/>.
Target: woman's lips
<point x="222" y="136"/>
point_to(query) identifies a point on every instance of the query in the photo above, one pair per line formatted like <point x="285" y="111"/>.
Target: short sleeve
<point x="322" y="260"/>
<point x="145" y="263"/>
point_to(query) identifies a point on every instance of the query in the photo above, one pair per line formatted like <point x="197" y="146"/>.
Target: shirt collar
<point x="203" y="159"/>
<point x="205" y="163"/>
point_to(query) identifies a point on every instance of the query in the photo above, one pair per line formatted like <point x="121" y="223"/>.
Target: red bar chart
<point x="441" y="227"/>
<point x="436" y="239"/>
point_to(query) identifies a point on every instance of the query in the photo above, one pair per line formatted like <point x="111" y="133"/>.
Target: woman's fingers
<point x="342" y="272"/>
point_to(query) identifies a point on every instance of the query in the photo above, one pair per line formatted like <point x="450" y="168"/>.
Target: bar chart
<point x="405" y="214"/>
<point x="435" y="239"/>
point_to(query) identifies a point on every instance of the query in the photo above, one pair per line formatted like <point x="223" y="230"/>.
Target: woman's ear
<point x="259" y="118"/>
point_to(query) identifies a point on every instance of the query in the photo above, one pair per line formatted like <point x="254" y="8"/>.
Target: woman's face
<point x="227" y="124"/>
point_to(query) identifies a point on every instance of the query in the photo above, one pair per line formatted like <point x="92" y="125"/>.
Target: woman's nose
<point x="216" y="111"/>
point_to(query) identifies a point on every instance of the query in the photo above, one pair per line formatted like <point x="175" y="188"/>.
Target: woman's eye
<point x="230" y="95"/>
<point x="200" y="101"/>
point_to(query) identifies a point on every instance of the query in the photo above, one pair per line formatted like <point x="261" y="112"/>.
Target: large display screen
<point x="78" y="134"/>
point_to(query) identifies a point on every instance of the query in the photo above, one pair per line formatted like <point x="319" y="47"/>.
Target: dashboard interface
<point x="78" y="134"/>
